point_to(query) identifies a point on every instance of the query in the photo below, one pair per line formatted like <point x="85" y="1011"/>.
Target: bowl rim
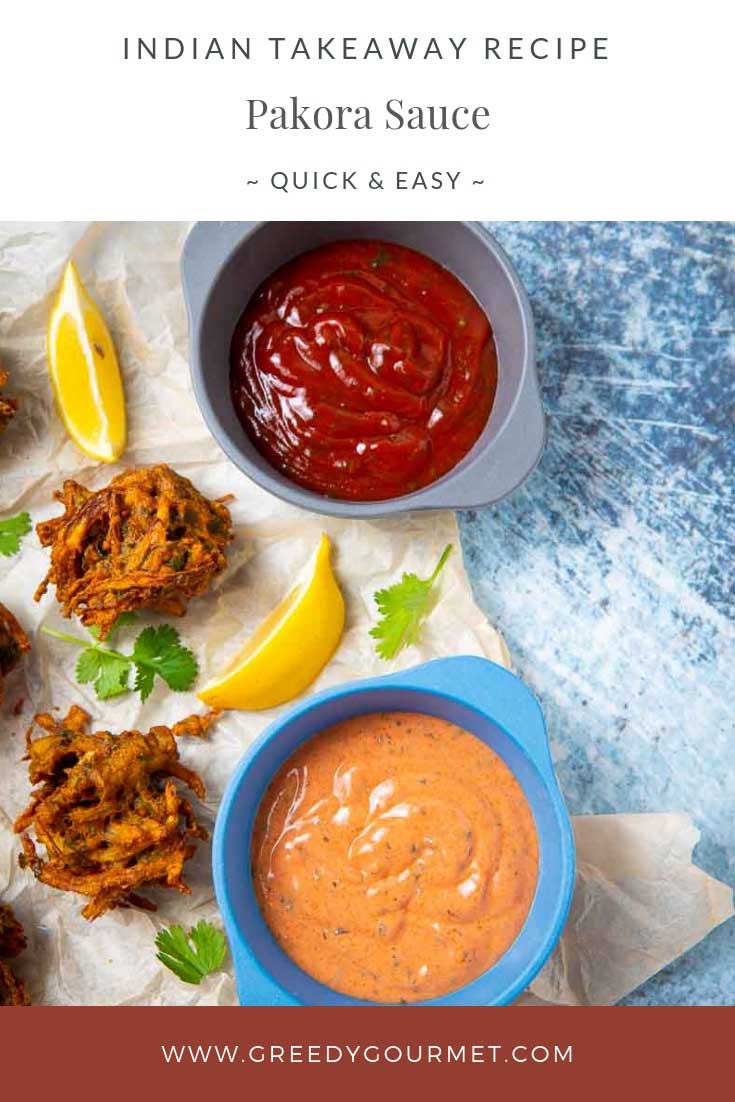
<point x="252" y="973"/>
<point x="519" y="439"/>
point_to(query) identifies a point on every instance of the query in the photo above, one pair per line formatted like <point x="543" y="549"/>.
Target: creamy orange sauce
<point x="394" y="857"/>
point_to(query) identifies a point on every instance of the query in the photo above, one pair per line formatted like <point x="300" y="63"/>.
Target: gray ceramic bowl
<point x="224" y="262"/>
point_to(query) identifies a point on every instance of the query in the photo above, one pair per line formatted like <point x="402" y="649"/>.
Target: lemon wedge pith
<point x="85" y="375"/>
<point x="289" y="648"/>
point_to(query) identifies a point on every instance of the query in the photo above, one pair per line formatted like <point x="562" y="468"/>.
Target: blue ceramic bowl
<point x="473" y="693"/>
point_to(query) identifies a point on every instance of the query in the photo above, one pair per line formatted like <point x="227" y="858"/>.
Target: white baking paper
<point x="639" y="903"/>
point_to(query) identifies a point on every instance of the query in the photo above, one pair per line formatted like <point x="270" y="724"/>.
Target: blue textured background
<point x="611" y="570"/>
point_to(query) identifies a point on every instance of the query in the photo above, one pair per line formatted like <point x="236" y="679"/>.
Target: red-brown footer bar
<point x="615" y="1052"/>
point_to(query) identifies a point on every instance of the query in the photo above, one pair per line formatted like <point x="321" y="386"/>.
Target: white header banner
<point x="219" y="110"/>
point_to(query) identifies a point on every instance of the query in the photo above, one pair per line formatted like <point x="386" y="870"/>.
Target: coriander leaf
<point x="178" y="668"/>
<point x="88" y="666"/>
<point x="177" y="956"/>
<point x="12" y="531"/>
<point x="147" y="645"/>
<point x="192" y="957"/>
<point x="160" y="650"/>
<point x="144" y="678"/>
<point x="210" y="944"/>
<point x="113" y="675"/>
<point x="123" y="618"/>
<point x="108" y="672"/>
<point x="402" y="607"/>
<point x="156" y="652"/>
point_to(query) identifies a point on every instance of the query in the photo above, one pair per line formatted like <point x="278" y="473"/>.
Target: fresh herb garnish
<point x="122" y="619"/>
<point x="402" y="607"/>
<point x="156" y="652"/>
<point x="12" y="531"/>
<point x="194" y="955"/>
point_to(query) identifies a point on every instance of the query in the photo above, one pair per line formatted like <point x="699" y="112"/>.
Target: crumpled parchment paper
<point x="639" y="901"/>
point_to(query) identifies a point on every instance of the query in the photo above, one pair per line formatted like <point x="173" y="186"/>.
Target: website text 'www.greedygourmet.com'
<point x="414" y="1053"/>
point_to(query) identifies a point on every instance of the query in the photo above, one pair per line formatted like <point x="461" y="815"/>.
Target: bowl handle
<point x="506" y="462"/>
<point x="493" y="690"/>
<point x="207" y="247"/>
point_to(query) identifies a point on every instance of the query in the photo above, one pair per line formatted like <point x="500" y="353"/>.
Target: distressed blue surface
<point x="611" y="570"/>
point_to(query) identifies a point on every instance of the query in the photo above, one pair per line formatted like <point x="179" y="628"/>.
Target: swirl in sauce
<point x="394" y="857"/>
<point x="363" y="370"/>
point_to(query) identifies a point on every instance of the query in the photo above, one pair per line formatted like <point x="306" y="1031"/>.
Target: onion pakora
<point x="108" y="810"/>
<point x="12" y="942"/>
<point x="8" y="406"/>
<point x="14" y="644"/>
<point x="148" y="540"/>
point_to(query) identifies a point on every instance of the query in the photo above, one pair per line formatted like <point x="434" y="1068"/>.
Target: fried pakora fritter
<point x="13" y="644"/>
<point x="12" y="938"/>
<point x="12" y="990"/>
<point x="108" y="810"/>
<point x="12" y="942"/>
<point x="148" y="540"/>
<point x="8" y="406"/>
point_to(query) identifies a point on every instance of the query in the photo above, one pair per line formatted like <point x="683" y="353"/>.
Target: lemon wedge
<point x="84" y="371"/>
<point x="289" y="648"/>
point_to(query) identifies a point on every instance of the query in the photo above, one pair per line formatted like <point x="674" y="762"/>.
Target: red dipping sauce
<point x="363" y="370"/>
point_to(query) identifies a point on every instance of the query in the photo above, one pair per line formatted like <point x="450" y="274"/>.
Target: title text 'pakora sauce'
<point x="394" y="857"/>
<point x="363" y="370"/>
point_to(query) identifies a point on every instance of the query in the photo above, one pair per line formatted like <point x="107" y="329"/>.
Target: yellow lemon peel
<point x="289" y="648"/>
<point x="85" y="375"/>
